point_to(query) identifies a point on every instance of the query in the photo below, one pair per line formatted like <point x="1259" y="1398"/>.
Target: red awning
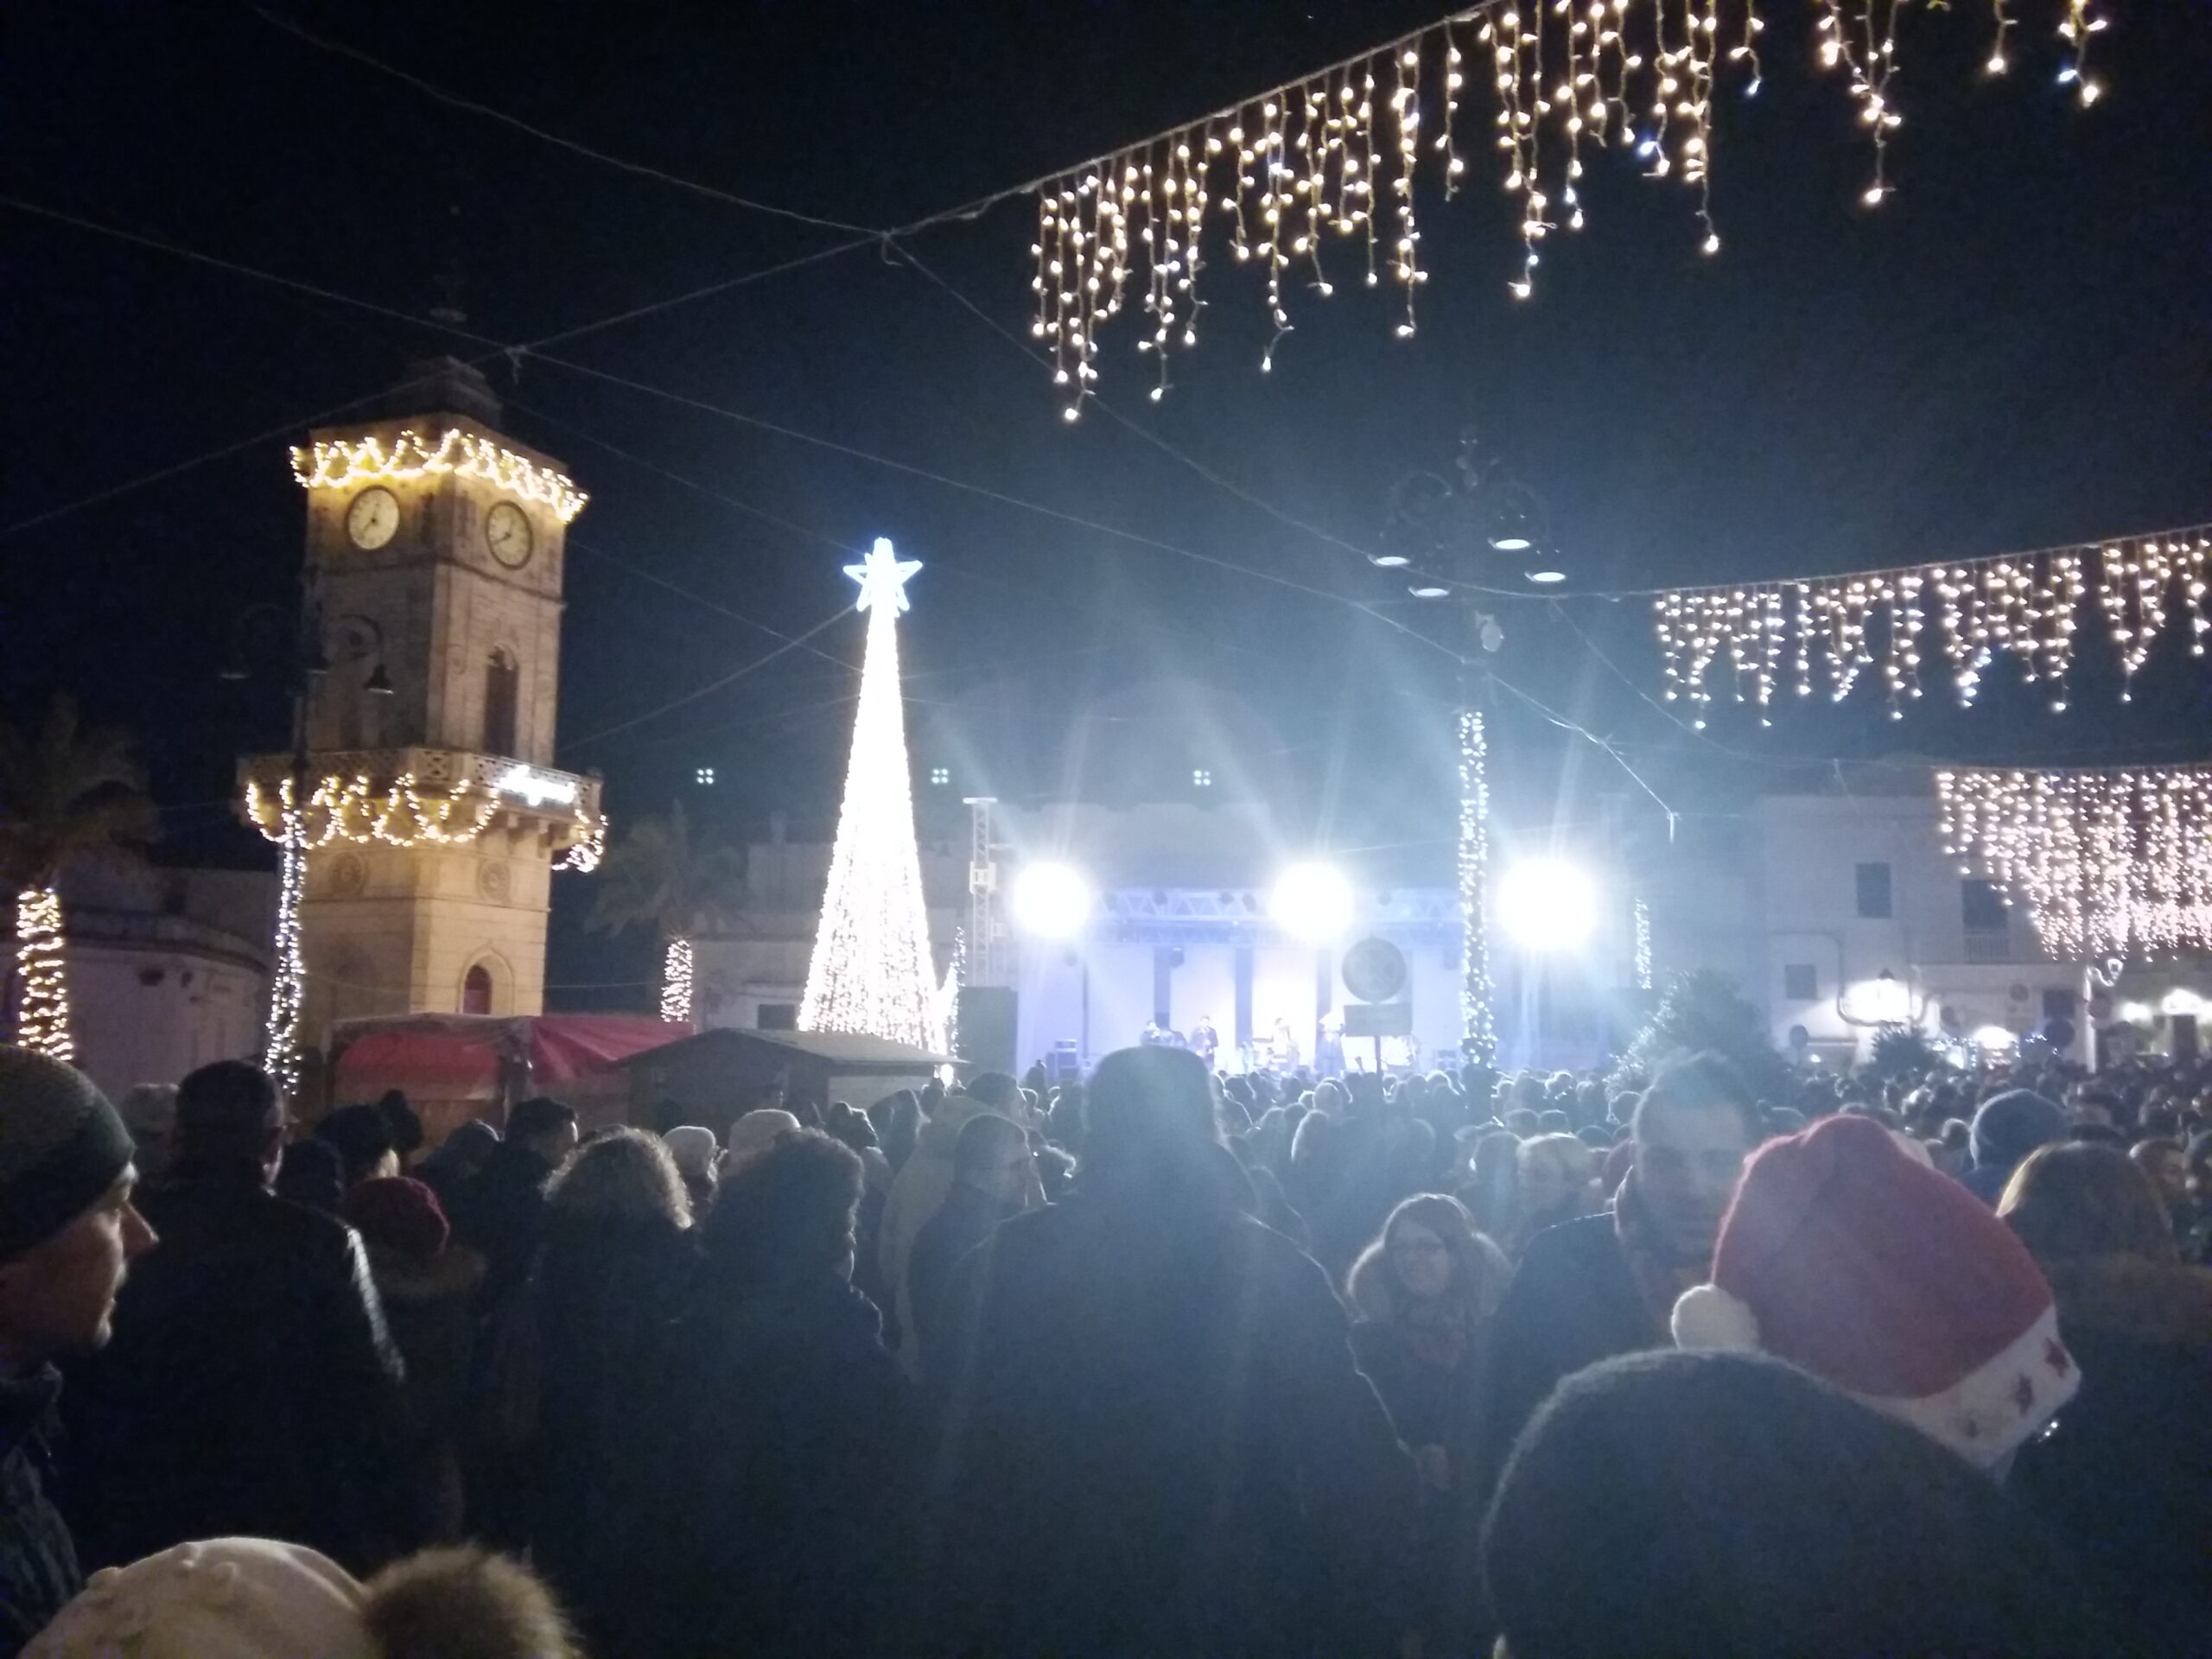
<point x="454" y="1057"/>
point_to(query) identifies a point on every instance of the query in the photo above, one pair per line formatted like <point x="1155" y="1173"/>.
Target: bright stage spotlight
<point x="1313" y="902"/>
<point x="1050" y="901"/>
<point x="1547" y="904"/>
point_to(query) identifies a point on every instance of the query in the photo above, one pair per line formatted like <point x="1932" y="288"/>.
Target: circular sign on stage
<point x="1375" y="970"/>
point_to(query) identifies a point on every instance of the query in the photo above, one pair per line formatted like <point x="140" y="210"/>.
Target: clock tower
<point x="433" y="819"/>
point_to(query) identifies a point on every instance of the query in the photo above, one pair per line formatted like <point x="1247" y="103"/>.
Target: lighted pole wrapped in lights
<point x="2112" y="865"/>
<point x="870" y="971"/>
<point x="42" y="1020"/>
<point x="1478" y="1021"/>
<point x="676" y="982"/>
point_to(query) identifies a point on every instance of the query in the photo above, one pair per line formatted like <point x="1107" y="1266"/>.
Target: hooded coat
<point x="1157" y="1442"/>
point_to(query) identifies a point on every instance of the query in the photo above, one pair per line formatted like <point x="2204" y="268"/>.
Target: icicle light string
<point x="2109" y="864"/>
<point x="1277" y="176"/>
<point x="2025" y="606"/>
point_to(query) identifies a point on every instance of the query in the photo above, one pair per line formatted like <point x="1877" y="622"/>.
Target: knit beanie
<point x="61" y="1147"/>
<point x="257" y="1598"/>
<point x="1885" y="1278"/>
<point x="399" y="1214"/>
<point x="2012" y="1125"/>
<point x="695" y="1150"/>
<point x="227" y="1598"/>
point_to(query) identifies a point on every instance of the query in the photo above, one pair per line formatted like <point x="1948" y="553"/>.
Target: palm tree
<point x="659" y="875"/>
<point x="68" y="793"/>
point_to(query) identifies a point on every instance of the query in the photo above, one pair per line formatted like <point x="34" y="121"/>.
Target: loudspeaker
<point x="986" y="1030"/>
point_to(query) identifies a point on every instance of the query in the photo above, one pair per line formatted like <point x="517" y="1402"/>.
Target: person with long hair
<point x="1424" y="1293"/>
<point x="617" y="1264"/>
<point x="2126" y="1473"/>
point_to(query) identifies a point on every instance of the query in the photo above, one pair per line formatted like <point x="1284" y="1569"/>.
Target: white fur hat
<point x="226" y="1598"/>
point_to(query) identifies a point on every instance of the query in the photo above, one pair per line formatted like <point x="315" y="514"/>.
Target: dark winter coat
<point x="792" y="1437"/>
<point x="1573" y="1302"/>
<point x="2126" y="1474"/>
<point x="429" y="1307"/>
<point x="251" y="1389"/>
<point x="38" y="1562"/>
<point x="1156" y="1441"/>
<point x="502" y="1215"/>
<point x="608" y="1295"/>
<point x="970" y="1217"/>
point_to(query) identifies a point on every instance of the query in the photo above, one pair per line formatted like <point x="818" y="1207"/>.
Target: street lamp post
<point x="1458" y="540"/>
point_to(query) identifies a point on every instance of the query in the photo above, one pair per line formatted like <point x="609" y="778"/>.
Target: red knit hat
<point x="1879" y="1275"/>
<point x="398" y="1214"/>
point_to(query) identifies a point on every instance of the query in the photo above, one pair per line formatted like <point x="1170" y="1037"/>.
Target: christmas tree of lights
<point x="870" y="971"/>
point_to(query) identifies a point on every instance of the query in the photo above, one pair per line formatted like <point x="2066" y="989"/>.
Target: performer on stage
<point x="1204" y="1040"/>
<point x="1283" y="1051"/>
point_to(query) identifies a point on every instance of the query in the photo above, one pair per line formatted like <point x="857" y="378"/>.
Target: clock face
<point x="373" y="519"/>
<point x="506" y="533"/>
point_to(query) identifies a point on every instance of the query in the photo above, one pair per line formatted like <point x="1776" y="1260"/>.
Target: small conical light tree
<point x="659" y="876"/>
<point x="870" y="971"/>
<point x="68" y="792"/>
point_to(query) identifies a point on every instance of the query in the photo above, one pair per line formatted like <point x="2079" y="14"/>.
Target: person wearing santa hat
<point x="1863" y="1265"/>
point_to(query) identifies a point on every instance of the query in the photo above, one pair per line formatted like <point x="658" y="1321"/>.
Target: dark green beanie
<point x="61" y="1147"/>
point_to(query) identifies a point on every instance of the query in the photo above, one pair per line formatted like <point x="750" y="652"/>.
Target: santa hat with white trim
<point x="1889" y="1280"/>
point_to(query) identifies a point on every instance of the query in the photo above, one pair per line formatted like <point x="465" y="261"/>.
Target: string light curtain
<point x="871" y="971"/>
<point x="1314" y="181"/>
<point x="1824" y="635"/>
<point x="2112" y="865"/>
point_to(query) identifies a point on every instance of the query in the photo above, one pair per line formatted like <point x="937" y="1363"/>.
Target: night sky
<point x="2011" y="353"/>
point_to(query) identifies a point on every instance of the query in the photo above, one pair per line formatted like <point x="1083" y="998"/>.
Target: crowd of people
<point x="1161" y="1361"/>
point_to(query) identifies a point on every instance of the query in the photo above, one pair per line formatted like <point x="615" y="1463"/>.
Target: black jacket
<point x="38" y="1563"/>
<point x="2125" y="1475"/>
<point x="970" y="1217"/>
<point x="1573" y="1302"/>
<point x="502" y="1213"/>
<point x="1156" y="1442"/>
<point x="251" y="1389"/>
<point x="607" y="1294"/>
<point x="792" y="1439"/>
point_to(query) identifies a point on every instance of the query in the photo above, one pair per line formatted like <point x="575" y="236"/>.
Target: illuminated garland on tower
<point x="334" y="464"/>
<point x="2111" y="864"/>
<point x="1478" y="1023"/>
<point x="870" y="971"/>
<point x="1293" y="181"/>
<point x="1755" y="638"/>
<point x="42" y="1022"/>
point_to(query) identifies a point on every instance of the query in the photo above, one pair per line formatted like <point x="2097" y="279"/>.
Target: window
<point x="779" y="1016"/>
<point x="1874" y="891"/>
<point x="502" y="686"/>
<point x="1800" y="982"/>
<point x="940" y="776"/>
<point x="704" y="776"/>
<point x="1201" y="777"/>
<point x="476" y="990"/>
<point x="1982" y="906"/>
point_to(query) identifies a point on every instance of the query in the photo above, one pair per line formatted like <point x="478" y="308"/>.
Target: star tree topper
<point x="882" y="577"/>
